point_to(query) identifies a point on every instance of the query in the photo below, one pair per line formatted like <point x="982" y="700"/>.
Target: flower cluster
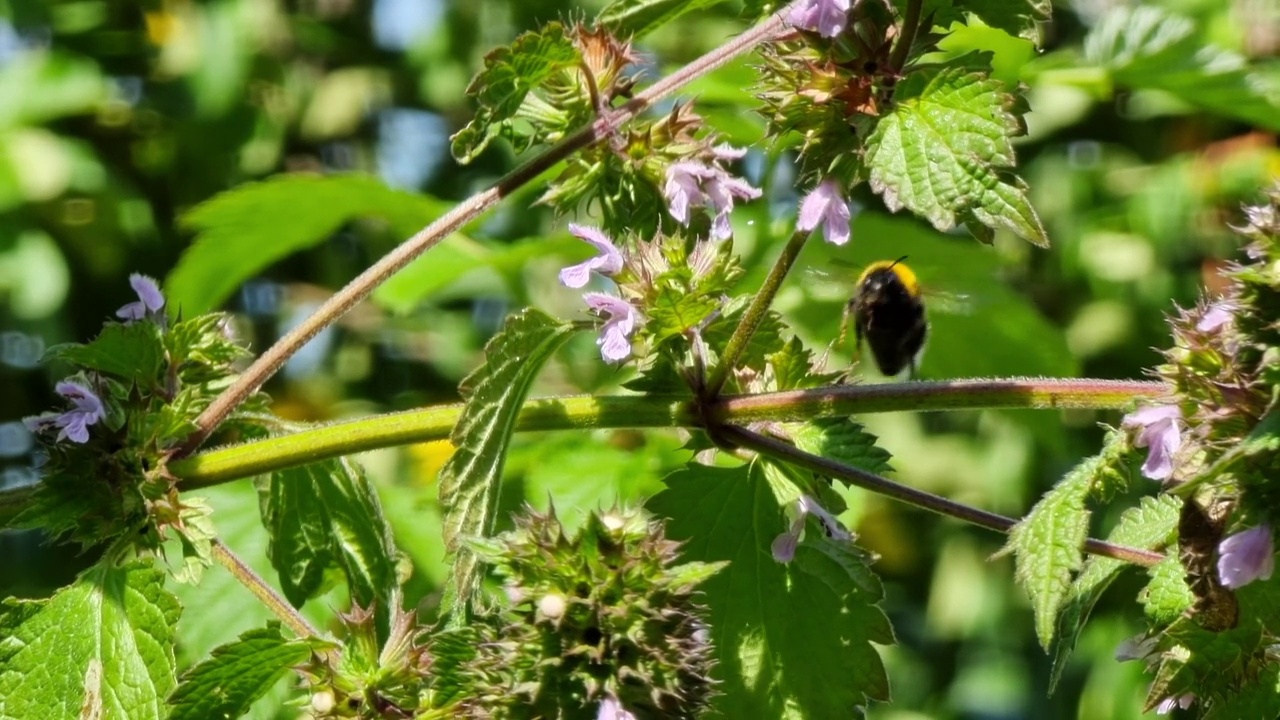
<point x="87" y="408"/>
<point x="705" y="183"/>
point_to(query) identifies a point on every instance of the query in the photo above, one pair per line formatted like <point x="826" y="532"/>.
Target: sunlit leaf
<point x="792" y="640"/>
<point x="326" y="515"/>
<point x="236" y="675"/>
<point x="245" y="230"/>
<point x="510" y="74"/>
<point x="99" y="648"/>
<point x="942" y="152"/>
<point x="470" y="481"/>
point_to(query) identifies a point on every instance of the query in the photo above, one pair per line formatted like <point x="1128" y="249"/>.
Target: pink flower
<point x="695" y="183"/>
<point x="1167" y="705"/>
<point x="828" y="17"/>
<point x="784" y="546"/>
<point x="612" y="709"/>
<point x="826" y="205"/>
<point x="1215" y="316"/>
<point x="1161" y="434"/>
<point x="621" y="321"/>
<point x="149" y="303"/>
<point x="1246" y="556"/>
<point x="608" y="262"/>
<point x="74" y="423"/>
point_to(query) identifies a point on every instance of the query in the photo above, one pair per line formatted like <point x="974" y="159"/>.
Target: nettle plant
<point x="735" y="591"/>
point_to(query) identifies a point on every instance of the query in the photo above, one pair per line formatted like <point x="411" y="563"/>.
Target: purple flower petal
<point x="826" y="205"/>
<point x="834" y="529"/>
<point x="608" y="262"/>
<point x="1216" y="316"/>
<point x="1161" y="434"/>
<point x="828" y="17"/>
<point x="784" y="547"/>
<point x="1246" y="556"/>
<point x="695" y="183"/>
<point x="72" y="424"/>
<point x="1167" y="705"/>
<point x="150" y="300"/>
<point x="620" y="321"/>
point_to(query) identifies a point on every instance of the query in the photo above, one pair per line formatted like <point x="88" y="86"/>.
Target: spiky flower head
<point x="604" y="618"/>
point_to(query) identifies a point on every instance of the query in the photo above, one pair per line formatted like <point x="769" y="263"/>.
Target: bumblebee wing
<point x="951" y="303"/>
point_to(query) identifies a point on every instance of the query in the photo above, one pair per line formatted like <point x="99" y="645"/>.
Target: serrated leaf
<point x="326" y="515"/>
<point x="1166" y="597"/>
<point x="674" y="312"/>
<point x="843" y="440"/>
<point x="510" y="73"/>
<point x="236" y="675"/>
<point x="469" y="482"/>
<point x="242" y="231"/>
<point x="792" y="640"/>
<point x="1152" y="523"/>
<point x="1148" y="47"/>
<point x="99" y="648"/>
<point x="132" y="352"/>
<point x="1258" y="699"/>
<point x="638" y="17"/>
<point x="940" y="150"/>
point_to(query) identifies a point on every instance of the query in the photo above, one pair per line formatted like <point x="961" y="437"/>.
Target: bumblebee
<point x="888" y="312"/>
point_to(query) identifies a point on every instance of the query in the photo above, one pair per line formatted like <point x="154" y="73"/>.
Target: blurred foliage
<point x="120" y="122"/>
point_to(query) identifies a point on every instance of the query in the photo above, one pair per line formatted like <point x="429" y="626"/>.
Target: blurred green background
<point x="118" y="118"/>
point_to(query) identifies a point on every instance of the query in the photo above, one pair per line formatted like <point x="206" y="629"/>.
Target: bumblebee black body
<point x="889" y="314"/>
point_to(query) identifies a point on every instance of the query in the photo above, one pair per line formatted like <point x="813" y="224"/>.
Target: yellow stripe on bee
<point x="899" y="268"/>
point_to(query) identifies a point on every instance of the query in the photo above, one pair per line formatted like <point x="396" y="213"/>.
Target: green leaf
<point x="236" y="675"/>
<point x="1016" y="17"/>
<point x="469" y="482"/>
<point x="99" y="648"/>
<point x="1152" y="523"/>
<point x="510" y="73"/>
<point x="245" y="230"/>
<point x="638" y="17"/>
<point x="132" y="352"/>
<point x="940" y="150"/>
<point x="1149" y="48"/>
<point x="1047" y="542"/>
<point x="792" y="640"/>
<point x="842" y="440"/>
<point x="1258" y="699"/>
<point x="325" y="515"/>
<point x="1166" y="596"/>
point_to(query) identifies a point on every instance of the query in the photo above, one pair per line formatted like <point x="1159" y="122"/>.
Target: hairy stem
<point x="220" y="465"/>
<point x="1011" y="393"/>
<point x="919" y="498"/>
<point x="755" y="313"/>
<point x="264" y="592"/>
<point x="358" y="289"/>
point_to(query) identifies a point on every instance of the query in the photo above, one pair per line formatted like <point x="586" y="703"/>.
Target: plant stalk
<point x="261" y="590"/>
<point x="919" y="498"/>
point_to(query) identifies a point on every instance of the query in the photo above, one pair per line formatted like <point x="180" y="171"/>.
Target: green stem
<point x="261" y="590"/>
<point x="910" y="24"/>
<point x="919" y="498"/>
<point x="229" y="463"/>
<point x="1015" y="393"/>
<point x="755" y="313"/>
<point x="358" y="289"/>
<point x="224" y="464"/>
